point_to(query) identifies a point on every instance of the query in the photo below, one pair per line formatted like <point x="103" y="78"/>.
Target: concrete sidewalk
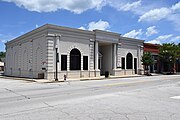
<point x="74" y="79"/>
<point x="85" y="79"/>
<point x="91" y="78"/>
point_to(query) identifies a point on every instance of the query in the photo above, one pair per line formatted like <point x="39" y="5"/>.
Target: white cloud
<point x="77" y="6"/>
<point x="161" y="13"/>
<point x="176" y="7"/>
<point x="164" y="37"/>
<point x="151" y="30"/>
<point x="3" y="41"/>
<point x="155" y="14"/>
<point x="161" y="39"/>
<point x="100" y="25"/>
<point x="82" y="28"/>
<point x="130" y="6"/>
<point x="123" y="5"/>
<point x="37" y="26"/>
<point x="6" y="37"/>
<point x="134" y="33"/>
<point x="174" y="18"/>
<point x="176" y="39"/>
<point x="154" y="42"/>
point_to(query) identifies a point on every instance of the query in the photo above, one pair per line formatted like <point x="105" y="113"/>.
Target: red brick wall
<point x="153" y="48"/>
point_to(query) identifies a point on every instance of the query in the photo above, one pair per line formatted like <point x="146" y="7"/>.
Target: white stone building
<point x="81" y="53"/>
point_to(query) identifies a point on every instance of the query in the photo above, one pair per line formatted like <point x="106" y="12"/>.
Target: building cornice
<point x="106" y="32"/>
<point x="55" y="27"/>
<point x="131" y="39"/>
<point x="49" y="27"/>
<point x="33" y="32"/>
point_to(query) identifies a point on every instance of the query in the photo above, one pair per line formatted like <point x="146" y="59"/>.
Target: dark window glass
<point x="155" y="57"/>
<point x="123" y="63"/>
<point x="75" y="59"/>
<point x="135" y="65"/>
<point x="129" y="59"/>
<point x="63" y="62"/>
<point x="155" y="66"/>
<point x="85" y="62"/>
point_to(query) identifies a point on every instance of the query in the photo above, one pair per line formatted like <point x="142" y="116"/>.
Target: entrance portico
<point x="107" y="57"/>
<point x="117" y="55"/>
<point x="106" y="51"/>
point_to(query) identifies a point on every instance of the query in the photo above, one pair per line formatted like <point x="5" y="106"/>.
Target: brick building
<point x="154" y="50"/>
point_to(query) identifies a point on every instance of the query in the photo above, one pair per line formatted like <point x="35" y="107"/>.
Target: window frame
<point x="85" y="62"/>
<point x="123" y="62"/>
<point x="65" y="62"/>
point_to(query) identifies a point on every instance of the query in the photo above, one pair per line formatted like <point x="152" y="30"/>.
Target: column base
<point x="97" y="73"/>
<point x="140" y="71"/>
<point x="117" y="72"/>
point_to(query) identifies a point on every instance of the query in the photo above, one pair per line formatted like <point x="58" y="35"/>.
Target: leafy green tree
<point x="2" y="55"/>
<point x="168" y="53"/>
<point x="178" y="50"/>
<point x="147" y="61"/>
<point x="178" y="54"/>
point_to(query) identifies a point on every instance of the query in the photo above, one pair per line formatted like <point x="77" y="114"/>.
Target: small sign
<point x="43" y="68"/>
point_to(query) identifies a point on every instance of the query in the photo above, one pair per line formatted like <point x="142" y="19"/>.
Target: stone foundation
<point x="73" y="74"/>
<point x="140" y="71"/>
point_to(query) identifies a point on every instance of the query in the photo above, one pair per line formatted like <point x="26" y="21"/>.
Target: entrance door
<point x="151" y="68"/>
<point x="135" y="65"/>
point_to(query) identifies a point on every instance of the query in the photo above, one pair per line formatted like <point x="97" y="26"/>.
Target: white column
<point x="68" y="62"/>
<point x="81" y="62"/>
<point x="133" y="62"/>
<point x="96" y="55"/>
<point x="115" y="58"/>
<point x="139" y="57"/>
<point x="125" y="67"/>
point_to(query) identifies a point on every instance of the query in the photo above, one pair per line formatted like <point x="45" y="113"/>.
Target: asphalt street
<point x="137" y="98"/>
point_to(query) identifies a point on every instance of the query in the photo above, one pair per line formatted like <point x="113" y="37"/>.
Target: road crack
<point x="126" y="116"/>
<point x="17" y="93"/>
<point x="48" y="104"/>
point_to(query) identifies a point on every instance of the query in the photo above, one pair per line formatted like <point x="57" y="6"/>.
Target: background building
<point x="1" y="66"/>
<point x="81" y="53"/>
<point x="154" y="50"/>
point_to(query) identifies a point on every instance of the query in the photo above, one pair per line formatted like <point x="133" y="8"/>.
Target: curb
<point x="72" y="80"/>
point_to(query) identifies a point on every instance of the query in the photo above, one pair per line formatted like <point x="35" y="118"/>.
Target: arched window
<point x="25" y="57"/>
<point x="15" y="61"/>
<point x="75" y="59"/>
<point x="129" y="61"/>
<point x="38" y="61"/>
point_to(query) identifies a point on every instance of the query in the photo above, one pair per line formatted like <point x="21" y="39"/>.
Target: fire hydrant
<point x="65" y="77"/>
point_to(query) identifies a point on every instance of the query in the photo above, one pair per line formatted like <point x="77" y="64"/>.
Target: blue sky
<point x="155" y="21"/>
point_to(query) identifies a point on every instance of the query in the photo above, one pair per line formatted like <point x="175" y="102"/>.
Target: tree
<point x="168" y="53"/>
<point x="2" y="55"/>
<point x="147" y="61"/>
<point x="178" y="50"/>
